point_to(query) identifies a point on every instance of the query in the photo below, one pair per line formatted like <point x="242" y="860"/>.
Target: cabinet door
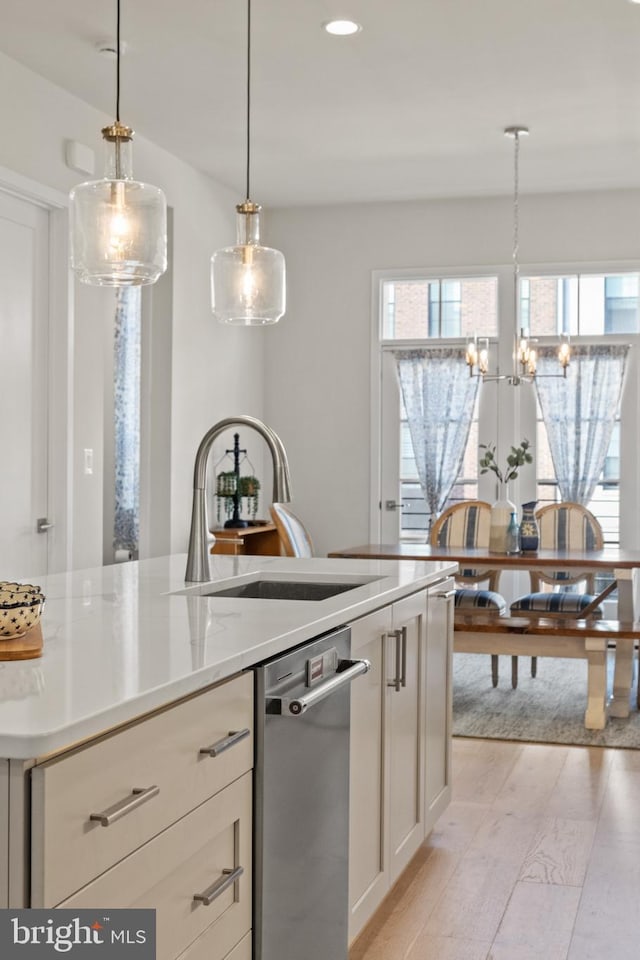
<point x="4" y="834"/>
<point x="438" y="697"/>
<point x="368" y="866"/>
<point x="177" y="872"/>
<point x="405" y="733"/>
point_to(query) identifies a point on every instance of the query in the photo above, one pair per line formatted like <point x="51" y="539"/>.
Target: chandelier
<point x="525" y="352"/>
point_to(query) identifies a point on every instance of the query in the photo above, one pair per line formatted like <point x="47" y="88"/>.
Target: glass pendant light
<point x="118" y="224"/>
<point x="248" y="280"/>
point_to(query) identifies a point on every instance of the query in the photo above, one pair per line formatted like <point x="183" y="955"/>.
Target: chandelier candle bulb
<point x="564" y="354"/>
<point x="532" y="363"/>
<point x="471" y="356"/>
<point x="483" y="358"/>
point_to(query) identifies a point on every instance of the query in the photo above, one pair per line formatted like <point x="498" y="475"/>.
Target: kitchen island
<point x="134" y="662"/>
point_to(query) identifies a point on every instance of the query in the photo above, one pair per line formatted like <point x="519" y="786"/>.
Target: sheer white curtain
<point x="579" y="414"/>
<point x="439" y="398"/>
<point x="126" y="385"/>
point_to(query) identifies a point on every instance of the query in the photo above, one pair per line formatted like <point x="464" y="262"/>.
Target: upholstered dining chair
<point x="467" y="524"/>
<point x="563" y="526"/>
<point x="294" y="538"/>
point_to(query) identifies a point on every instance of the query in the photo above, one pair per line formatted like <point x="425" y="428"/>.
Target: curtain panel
<point x="439" y="398"/>
<point x="126" y="387"/>
<point x="579" y="413"/>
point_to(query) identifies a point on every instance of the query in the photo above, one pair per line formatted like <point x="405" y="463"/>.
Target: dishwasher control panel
<point x="321" y="666"/>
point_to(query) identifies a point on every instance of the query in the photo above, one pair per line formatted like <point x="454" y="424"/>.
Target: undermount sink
<point x="282" y="590"/>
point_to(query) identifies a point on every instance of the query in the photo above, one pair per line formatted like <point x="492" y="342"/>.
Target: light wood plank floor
<point x="536" y="858"/>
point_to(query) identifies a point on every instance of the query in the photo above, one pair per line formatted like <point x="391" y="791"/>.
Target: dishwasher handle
<point x="296" y="706"/>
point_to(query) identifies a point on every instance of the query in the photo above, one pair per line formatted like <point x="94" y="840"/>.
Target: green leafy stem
<point x="516" y="459"/>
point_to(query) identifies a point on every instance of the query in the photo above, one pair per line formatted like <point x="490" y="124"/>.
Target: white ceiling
<point x="412" y="107"/>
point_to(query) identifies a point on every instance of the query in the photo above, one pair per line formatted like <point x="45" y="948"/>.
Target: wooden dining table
<point x="624" y="566"/>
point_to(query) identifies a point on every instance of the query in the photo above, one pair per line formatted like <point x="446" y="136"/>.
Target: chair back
<point x="294" y="538"/>
<point x="466" y="524"/>
<point x="566" y="526"/>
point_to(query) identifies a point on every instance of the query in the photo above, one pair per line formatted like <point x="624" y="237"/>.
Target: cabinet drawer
<point x="204" y="949"/>
<point x="70" y="848"/>
<point x="184" y="860"/>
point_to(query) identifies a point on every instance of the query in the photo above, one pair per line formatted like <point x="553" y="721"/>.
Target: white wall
<point x="318" y="358"/>
<point x="216" y="371"/>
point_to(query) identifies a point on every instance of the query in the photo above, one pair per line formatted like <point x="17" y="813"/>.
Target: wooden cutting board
<point x="26" y="647"/>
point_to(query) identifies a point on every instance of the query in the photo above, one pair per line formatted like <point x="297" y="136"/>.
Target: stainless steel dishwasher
<point x="301" y="858"/>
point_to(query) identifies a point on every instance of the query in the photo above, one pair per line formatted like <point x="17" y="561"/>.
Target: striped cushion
<point x="565" y="529"/>
<point x="569" y="603"/>
<point x="484" y="599"/>
<point x="466" y="528"/>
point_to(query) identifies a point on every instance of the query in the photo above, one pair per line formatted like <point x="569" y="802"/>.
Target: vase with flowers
<point x="503" y="508"/>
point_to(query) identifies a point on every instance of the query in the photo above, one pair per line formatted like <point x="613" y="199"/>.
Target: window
<point x="414" y="517"/>
<point x="126" y="417"/>
<point x="439" y="308"/>
<point x="449" y="309"/>
<point x="590" y="306"/>
<point x="428" y="310"/>
<point x="605" y="504"/>
<point x="621" y="304"/>
<point x="581" y="304"/>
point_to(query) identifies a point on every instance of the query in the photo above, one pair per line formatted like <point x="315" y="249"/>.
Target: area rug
<point x="549" y="709"/>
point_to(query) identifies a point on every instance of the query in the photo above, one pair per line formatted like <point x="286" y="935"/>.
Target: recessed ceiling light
<point x="345" y="28"/>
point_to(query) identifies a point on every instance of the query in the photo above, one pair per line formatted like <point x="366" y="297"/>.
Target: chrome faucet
<point x="198" y="557"/>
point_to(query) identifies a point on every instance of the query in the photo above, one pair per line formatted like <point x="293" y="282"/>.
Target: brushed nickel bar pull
<point x="295" y="707"/>
<point x="403" y="645"/>
<point x="222" y="883"/>
<point x="446" y="596"/>
<point x="235" y="736"/>
<point x="396" y="683"/>
<point x="139" y="795"/>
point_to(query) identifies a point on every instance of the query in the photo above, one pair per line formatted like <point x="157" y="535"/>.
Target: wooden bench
<point x="545" y="637"/>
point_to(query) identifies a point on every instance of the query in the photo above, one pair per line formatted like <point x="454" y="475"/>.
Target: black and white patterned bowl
<point x="20" y="608"/>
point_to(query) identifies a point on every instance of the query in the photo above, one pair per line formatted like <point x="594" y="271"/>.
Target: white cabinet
<point x="184" y="863"/>
<point x="156" y="814"/>
<point x="369" y="781"/>
<point x="405" y="731"/>
<point x="4" y="832"/>
<point x="400" y="778"/>
<point x="438" y="701"/>
<point x="387" y="752"/>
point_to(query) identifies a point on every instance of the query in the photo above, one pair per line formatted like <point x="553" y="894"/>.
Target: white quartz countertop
<point x="122" y="640"/>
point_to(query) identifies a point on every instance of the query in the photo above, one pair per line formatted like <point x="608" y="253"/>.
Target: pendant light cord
<point x="118" y="62"/>
<point x="516" y="215"/>
<point x="516" y="246"/>
<point x="248" y="93"/>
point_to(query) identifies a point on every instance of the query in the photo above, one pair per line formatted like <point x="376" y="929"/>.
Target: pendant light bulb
<point x="248" y="286"/>
<point x="118" y="225"/>
<point x="248" y="280"/>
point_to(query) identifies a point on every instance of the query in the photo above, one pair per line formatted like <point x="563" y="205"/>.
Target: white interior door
<point x="390" y="499"/>
<point x="24" y="252"/>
